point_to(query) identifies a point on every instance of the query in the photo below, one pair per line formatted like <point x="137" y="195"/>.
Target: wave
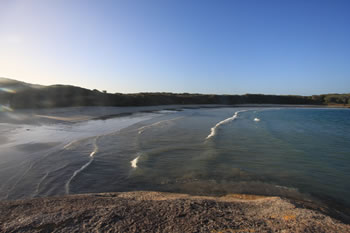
<point x="42" y="180"/>
<point x="142" y="129"/>
<point x="68" y="146"/>
<point x="92" y="155"/>
<point x="134" y="162"/>
<point x="213" y="129"/>
<point x="167" y="111"/>
<point x="95" y="148"/>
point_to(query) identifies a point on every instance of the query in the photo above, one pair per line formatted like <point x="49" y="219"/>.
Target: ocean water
<point x="301" y="153"/>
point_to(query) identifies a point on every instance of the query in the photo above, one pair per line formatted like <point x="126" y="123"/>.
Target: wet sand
<point x="81" y="114"/>
<point x="162" y="212"/>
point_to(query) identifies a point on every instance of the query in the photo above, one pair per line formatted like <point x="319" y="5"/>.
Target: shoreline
<point x="58" y="204"/>
<point x="81" y="114"/>
<point x="163" y="212"/>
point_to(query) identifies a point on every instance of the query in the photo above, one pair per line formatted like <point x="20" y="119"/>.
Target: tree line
<point x="71" y="96"/>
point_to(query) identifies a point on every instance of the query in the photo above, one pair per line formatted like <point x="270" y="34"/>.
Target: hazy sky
<point x="217" y="46"/>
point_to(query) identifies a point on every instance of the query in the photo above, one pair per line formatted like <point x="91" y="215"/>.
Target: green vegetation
<point x="21" y="95"/>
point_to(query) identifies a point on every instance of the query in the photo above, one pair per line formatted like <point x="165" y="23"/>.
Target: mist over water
<point x="296" y="153"/>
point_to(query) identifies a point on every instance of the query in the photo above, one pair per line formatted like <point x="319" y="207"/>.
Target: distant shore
<point x="21" y="95"/>
<point x="338" y="105"/>
<point x="163" y="212"/>
<point x="79" y="114"/>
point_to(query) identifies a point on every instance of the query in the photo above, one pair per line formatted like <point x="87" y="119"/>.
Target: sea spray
<point x="213" y="129"/>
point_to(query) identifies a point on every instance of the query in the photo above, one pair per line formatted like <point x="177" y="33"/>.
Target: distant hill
<point x="15" y="85"/>
<point x="17" y="94"/>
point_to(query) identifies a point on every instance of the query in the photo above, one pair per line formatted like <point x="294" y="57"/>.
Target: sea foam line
<point x="69" y="144"/>
<point x="213" y="129"/>
<point x="92" y="154"/>
<point x="142" y="129"/>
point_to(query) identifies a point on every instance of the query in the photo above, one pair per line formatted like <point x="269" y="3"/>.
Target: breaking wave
<point x="134" y="162"/>
<point x="142" y="129"/>
<point x="214" y="129"/>
<point x="92" y="154"/>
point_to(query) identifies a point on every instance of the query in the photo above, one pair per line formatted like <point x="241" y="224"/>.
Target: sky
<point x="196" y="46"/>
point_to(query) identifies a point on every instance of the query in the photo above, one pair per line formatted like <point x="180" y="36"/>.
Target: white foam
<point x="134" y="162"/>
<point x="92" y="154"/>
<point x="213" y="129"/>
<point x="142" y="129"/>
<point x="95" y="148"/>
<point x="68" y="146"/>
<point x="76" y="173"/>
<point x="167" y="111"/>
<point x="256" y="119"/>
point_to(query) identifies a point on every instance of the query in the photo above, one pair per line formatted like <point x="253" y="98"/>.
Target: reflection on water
<point x="297" y="153"/>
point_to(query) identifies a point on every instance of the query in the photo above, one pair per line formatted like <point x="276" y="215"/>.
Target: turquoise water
<point x="301" y="153"/>
<point x="298" y="153"/>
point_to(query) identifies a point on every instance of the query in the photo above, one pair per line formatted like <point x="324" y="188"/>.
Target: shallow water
<point x="297" y="153"/>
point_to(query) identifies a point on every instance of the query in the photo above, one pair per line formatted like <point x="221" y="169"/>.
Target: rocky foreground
<point x="162" y="212"/>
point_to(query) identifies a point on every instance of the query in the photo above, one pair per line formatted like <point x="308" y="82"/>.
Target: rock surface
<point x="162" y="212"/>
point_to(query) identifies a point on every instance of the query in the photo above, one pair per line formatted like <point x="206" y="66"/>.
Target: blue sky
<point x="197" y="46"/>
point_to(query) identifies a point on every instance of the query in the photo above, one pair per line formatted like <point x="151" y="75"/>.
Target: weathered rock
<point x="162" y="212"/>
